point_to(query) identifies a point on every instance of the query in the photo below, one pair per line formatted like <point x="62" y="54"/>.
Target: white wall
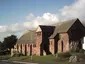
<point x="84" y="44"/>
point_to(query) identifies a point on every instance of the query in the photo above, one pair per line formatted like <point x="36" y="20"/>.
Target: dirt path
<point x="14" y="62"/>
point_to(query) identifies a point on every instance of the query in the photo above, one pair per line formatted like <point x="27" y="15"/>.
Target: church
<point x="52" y="39"/>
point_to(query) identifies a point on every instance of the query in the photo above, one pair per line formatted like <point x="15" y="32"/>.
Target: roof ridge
<point x="63" y="27"/>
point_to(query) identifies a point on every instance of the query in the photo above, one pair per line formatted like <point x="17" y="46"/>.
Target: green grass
<point x="43" y="58"/>
<point x="38" y="59"/>
<point x="4" y="57"/>
<point x="21" y="58"/>
<point x="49" y="59"/>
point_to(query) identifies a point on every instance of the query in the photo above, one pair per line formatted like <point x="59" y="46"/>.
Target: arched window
<point x="62" y="45"/>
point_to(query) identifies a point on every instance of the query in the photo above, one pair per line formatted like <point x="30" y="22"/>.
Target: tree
<point x="2" y="52"/>
<point x="0" y="45"/>
<point x="9" y="42"/>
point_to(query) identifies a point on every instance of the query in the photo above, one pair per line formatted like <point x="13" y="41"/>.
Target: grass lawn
<point x="4" y="57"/>
<point x="36" y="59"/>
<point x="50" y="59"/>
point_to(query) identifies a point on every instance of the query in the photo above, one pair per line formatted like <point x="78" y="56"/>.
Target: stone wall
<point x="39" y="38"/>
<point x="38" y="42"/>
<point x="36" y="50"/>
<point x="51" y="46"/>
<point x="28" y="49"/>
<point x="59" y="46"/>
<point x="63" y="43"/>
<point x="25" y="49"/>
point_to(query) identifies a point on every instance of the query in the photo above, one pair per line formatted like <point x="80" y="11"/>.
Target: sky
<point x="18" y="16"/>
<point x="13" y="11"/>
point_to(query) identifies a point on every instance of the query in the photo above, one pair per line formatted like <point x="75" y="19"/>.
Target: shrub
<point x="64" y="55"/>
<point x="17" y="53"/>
<point x="82" y="51"/>
<point x="74" y="50"/>
<point x="81" y="55"/>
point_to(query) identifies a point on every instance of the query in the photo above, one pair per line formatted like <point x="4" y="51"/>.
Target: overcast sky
<point x="17" y="16"/>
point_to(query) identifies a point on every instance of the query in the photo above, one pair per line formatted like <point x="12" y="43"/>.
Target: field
<point x="50" y="59"/>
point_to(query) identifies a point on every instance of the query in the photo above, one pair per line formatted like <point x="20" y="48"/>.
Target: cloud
<point x="45" y="19"/>
<point x="2" y="28"/>
<point x="30" y="17"/>
<point x="75" y="10"/>
<point x="32" y="22"/>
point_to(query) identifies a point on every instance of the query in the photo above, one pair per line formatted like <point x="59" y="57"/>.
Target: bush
<point x="81" y="55"/>
<point x="4" y="52"/>
<point x="64" y="55"/>
<point x="17" y="53"/>
<point x="74" y="50"/>
<point x="81" y="51"/>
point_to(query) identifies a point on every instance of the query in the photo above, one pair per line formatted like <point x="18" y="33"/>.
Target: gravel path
<point x="14" y="62"/>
